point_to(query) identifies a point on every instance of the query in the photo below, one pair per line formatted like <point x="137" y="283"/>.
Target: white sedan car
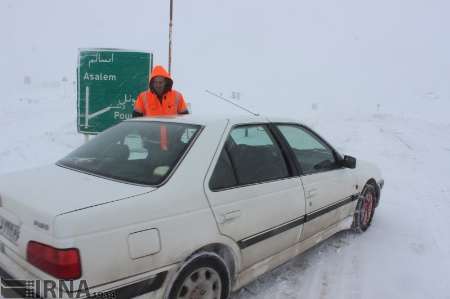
<point x="182" y="207"/>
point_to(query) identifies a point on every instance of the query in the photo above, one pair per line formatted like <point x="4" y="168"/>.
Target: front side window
<point x="313" y="155"/>
<point x="250" y="156"/>
<point x="134" y="151"/>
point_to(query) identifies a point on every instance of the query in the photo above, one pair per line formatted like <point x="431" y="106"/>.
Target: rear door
<point x="255" y="198"/>
<point x="328" y="187"/>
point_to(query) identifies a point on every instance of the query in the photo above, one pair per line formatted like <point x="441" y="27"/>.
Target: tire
<point x="203" y="277"/>
<point x="365" y="209"/>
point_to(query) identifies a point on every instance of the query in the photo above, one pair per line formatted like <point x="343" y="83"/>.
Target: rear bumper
<point x="13" y="288"/>
<point x="15" y="277"/>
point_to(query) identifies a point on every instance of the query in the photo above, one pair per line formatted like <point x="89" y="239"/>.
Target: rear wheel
<point x="365" y="209"/>
<point x="204" y="277"/>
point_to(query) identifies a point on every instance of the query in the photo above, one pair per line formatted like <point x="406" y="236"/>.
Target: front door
<point x="328" y="186"/>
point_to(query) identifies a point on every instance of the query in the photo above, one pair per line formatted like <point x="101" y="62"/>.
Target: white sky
<point x="351" y="53"/>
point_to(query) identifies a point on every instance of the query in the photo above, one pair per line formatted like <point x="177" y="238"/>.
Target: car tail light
<point x="60" y="263"/>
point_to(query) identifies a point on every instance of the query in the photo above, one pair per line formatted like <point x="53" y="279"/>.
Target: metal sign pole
<point x="170" y="36"/>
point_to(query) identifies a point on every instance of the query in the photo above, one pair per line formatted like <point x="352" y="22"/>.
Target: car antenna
<point x="231" y="102"/>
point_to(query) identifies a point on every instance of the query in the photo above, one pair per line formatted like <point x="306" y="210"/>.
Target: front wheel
<point x="204" y="277"/>
<point x="365" y="209"/>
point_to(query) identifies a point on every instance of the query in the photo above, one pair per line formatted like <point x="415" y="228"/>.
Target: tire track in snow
<point x="430" y="240"/>
<point x="397" y="136"/>
<point x="424" y="205"/>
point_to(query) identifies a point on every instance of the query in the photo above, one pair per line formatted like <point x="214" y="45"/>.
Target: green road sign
<point x="109" y="82"/>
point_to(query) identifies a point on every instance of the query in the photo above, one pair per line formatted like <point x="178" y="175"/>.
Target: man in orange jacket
<point x="160" y="99"/>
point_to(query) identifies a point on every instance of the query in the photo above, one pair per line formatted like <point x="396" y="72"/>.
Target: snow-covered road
<point x="406" y="252"/>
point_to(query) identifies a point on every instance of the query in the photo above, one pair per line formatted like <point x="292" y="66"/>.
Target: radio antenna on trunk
<point x="231" y="102"/>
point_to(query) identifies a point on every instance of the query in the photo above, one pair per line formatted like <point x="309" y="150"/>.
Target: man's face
<point x="159" y="84"/>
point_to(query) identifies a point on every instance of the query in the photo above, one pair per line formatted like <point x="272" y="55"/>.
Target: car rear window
<point x="134" y="151"/>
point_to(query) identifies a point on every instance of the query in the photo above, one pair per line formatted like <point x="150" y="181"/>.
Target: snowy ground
<point x="406" y="252"/>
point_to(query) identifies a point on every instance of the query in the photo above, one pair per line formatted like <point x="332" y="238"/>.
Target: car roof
<point x="206" y="120"/>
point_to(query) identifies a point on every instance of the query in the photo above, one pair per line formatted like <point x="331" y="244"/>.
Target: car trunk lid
<point x="31" y="199"/>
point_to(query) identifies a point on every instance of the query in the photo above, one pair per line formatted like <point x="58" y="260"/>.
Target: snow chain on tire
<point x="357" y="225"/>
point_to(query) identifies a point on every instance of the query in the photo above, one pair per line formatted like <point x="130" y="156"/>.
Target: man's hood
<point x="160" y="71"/>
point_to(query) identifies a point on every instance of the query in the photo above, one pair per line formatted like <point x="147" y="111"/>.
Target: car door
<point x="329" y="188"/>
<point x="254" y="197"/>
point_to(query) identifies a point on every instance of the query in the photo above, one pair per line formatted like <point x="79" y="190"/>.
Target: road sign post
<point x="109" y="81"/>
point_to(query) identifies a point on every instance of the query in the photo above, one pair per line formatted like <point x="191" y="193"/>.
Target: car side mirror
<point x="349" y="162"/>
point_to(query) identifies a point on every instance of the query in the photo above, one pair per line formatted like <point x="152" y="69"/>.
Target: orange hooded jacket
<point x="171" y="103"/>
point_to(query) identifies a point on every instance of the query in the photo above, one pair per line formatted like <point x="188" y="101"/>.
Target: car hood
<point x="53" y="190"/>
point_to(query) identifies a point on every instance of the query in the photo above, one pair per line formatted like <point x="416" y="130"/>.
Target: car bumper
<point x="15" y="281"/>
<point x="150" y="287"/>
<point x="380" y="184"/>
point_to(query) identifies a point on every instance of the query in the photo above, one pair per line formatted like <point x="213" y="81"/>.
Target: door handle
<point x="230" y="216"/>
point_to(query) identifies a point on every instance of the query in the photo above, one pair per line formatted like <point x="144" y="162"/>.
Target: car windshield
<point x="139" y="152"/>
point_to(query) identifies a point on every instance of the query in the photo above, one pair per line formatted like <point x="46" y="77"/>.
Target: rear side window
<point x="223" y="176"/>
<point x="250" y="156"/>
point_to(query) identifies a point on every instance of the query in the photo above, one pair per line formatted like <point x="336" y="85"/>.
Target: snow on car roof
<point x="214" y="119"/>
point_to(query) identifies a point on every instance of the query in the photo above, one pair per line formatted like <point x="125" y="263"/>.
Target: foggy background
<point x="283" y="57"/>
